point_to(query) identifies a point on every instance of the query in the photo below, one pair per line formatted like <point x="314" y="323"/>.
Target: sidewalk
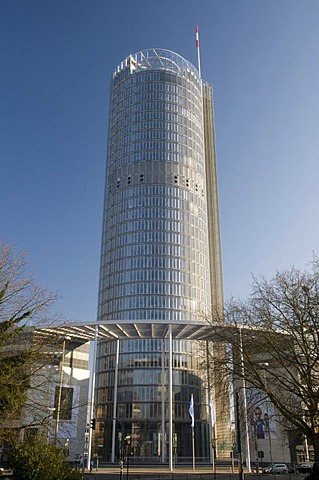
<point x="156" y="472"/>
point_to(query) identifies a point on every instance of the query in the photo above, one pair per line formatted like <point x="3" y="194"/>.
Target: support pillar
<point x="170" y="399"/>
<point x="92" y="392"/>
<point x="117" y="354"/>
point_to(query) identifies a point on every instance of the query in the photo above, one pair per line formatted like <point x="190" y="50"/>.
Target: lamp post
<point x="58" y="408"/>
<point x="128" y="453"/>
<point x="267" y="424"/>
<point x="120" y="445"/>
<point x="240" y="455"/>
<point x="214" y="456"/>
<point x="121" y="450"/>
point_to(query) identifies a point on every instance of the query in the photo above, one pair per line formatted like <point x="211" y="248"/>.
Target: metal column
<point x="170" y="398"/>
<point x="117" y="354"/>
<point x="92" y="394"/>
<point x="247" y="441"/>
<point x="163" y="400"/>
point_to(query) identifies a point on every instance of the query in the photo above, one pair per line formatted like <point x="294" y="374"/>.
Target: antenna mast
<point x="197" y="48"/>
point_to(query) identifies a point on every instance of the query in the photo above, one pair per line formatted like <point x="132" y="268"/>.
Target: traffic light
<point x="93" y="423"/>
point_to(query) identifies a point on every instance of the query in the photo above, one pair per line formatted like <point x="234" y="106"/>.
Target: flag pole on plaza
<point x="213" y="420"/>
<point x="191" y="412"/>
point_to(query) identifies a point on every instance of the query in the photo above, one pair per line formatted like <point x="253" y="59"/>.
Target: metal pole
<point x="193" y="447"/>
<point x="92" y="395"/>
<point x="117" y="353"/>
<point x="59" y="395"/>
<point x="127" y="463"/>
<point x="211" y="406"/>
<point x="197" y="48"/>
<point x="128" y="451"/>
<point x="267" y="424"/>
<point x="120" y="447"/>
<point x="170" y="399"/>
<point x="163" y="402"/>
<point x="268" y="427"/>
<point x="214" y="456"/>
<point x="244" y="409"/>
<point x="240" y="460"/>
<point x="121" y="469"/>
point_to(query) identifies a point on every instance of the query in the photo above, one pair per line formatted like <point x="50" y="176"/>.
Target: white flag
<point x="191" y="410"/>
<point x="212" y="411"/>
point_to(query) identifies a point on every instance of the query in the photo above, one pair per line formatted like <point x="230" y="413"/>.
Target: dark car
<point x="304" y="468"/>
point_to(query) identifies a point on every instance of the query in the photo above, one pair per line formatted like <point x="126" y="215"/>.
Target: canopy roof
<point x="81" y="333"/>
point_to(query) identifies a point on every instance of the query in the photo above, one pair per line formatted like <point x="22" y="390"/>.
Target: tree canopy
<point x="23" y="304"/>
<point x="272" y="343"/>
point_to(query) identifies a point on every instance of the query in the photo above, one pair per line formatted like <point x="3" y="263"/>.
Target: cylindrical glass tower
<point x="156" y="260"/>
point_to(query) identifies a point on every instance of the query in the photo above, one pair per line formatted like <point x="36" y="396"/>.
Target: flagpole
<point x="191" y="412"/>
<point x="213" y="436"/>
<point x="193" y="445"/>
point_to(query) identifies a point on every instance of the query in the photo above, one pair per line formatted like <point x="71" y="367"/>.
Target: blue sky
<point x="57" y="58"/>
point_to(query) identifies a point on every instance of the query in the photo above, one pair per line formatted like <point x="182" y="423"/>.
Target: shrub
<point x="37" y="460"/>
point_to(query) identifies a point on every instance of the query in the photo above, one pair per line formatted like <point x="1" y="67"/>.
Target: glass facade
<point x="156" y="249"/>
<point x="142" y="398"/>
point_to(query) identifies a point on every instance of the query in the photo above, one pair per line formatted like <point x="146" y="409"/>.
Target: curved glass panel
<point x="157" y="59"/>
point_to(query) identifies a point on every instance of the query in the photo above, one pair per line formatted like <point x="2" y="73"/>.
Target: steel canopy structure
<point x="82" y="333"/>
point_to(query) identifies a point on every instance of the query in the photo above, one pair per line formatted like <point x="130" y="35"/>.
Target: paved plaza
<point x="181" y="473"/>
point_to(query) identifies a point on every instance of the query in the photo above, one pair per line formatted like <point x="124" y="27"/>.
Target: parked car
<point x="276" y="468"/>
<point x="304" y="468"/>
<point x="6" y="473"/>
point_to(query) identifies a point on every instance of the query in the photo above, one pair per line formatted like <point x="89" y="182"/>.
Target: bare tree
<point x="23" y="305"/>
<point x="272" y="344"/>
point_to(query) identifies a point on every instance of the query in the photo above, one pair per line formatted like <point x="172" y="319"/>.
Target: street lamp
<point x="128" y="453"/>
<point x="120" y="447"/>
<point x="58" y="409"/>
<point x="214" y="456"/>
<point x="264" y="365"/>
<point x="120" y="444"/>
<point x="238" y="431"/>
